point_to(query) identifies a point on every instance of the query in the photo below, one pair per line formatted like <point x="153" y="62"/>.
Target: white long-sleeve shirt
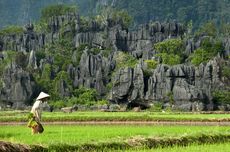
<point x="37" y="109"/>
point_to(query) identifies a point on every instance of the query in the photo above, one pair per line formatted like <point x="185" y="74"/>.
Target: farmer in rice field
<point x="35" y="115"/>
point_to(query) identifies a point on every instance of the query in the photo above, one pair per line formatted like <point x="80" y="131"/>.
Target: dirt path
<point x="188" y="123"/>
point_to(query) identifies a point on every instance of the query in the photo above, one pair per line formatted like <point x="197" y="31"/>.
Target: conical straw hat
<point x="42" y="95"/>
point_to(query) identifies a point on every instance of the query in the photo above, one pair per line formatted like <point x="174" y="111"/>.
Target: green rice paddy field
<point x="126" y="137"/>
<point x="111" y="135"/>
<point x="80" y="134"/>
<point x="115" y="116"/>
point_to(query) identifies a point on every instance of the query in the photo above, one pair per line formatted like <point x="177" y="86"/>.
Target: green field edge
<point x="141" y="118"/>
<point x="137" y="143"/>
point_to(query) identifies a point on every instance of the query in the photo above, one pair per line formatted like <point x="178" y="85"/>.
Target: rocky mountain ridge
<point x="184" y="86"/>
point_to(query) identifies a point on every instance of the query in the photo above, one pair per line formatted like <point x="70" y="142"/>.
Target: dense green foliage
<point x="170" y="46"/>
<point x="122" y="15"/>
<point x="151" y="64"/>
<point x="125" y="60"/>
<point x="221" y="97"/>
<point x="208" y="29"/>
<point x="84" y="96"/>
<point x="210" y="45"/>
<point x="61" y="50"/>
<point x="57" y="10"/>
<point x="81" y="96"/>
<point x="199" y="11"/>
<point x="209" y="49"/>
<point x="169" y="59"/>
<point x="170" y="51"/>
<point x="118" y="16"/>
<point x="200" y="55"/>
<point x="226" y="72"/>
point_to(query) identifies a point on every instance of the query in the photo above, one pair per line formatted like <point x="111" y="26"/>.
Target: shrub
<point x="95" y="51"/>
<point x="44" y="79"/>
<point x="89" y="95"/>
<point x="208" y="29"/>
<point x="117" y="16"/>
<point x="102" y="102"/>
<point x="61" y="76"/>
<point x="61" y="50"/>
<point x="41" y="27"/>
<point x="57" y="104"/>
<point x="170" y="59"/>
<point x="171" y="46"/>
<point x="125" y="60"/>
<point x="85" y="24"/>
<point x="21" y="59"/>
<point x="151" y="64"/>
<point x="226" y="72"/>
<point x="10" y="56"/>
<point x="46" y="73"/>
<point x="123" y="16"/>
<point x="40" y="55"/>
<point x="221" y="97"/>
<point x="170" y="51"/>
<point x="209" y="49"/>
<point x="107" y="52"/>
<point x="212" y="45"/>
<point x="156" y="107"/>
<point x="200" y="55"/>
<point x="84" y="96"/>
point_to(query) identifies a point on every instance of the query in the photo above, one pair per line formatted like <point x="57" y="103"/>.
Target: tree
<point x="200" y="55"/>
<point x="209" y="48"/>
<point x="208" y="29"/>
<point x="118" y="16"/>
<point x="171" y="46"/>
<point x="57" y="10"/>
<point x="170" y="59"/>
<point x="170" y="51"/>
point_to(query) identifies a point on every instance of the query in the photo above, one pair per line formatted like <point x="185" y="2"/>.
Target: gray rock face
<point x="118" y="38"/>
<point x="18" y="86"/>
<point x="122" y="84"/>
<point x="27" y="41"/>
<point x="92" y="72"/>
<point x="128" y="85"/>
<point x="138" y="83"/>
<point x="193" y="44"/>
<point x="30" y="40"/>
<point x="184" y="83"/>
